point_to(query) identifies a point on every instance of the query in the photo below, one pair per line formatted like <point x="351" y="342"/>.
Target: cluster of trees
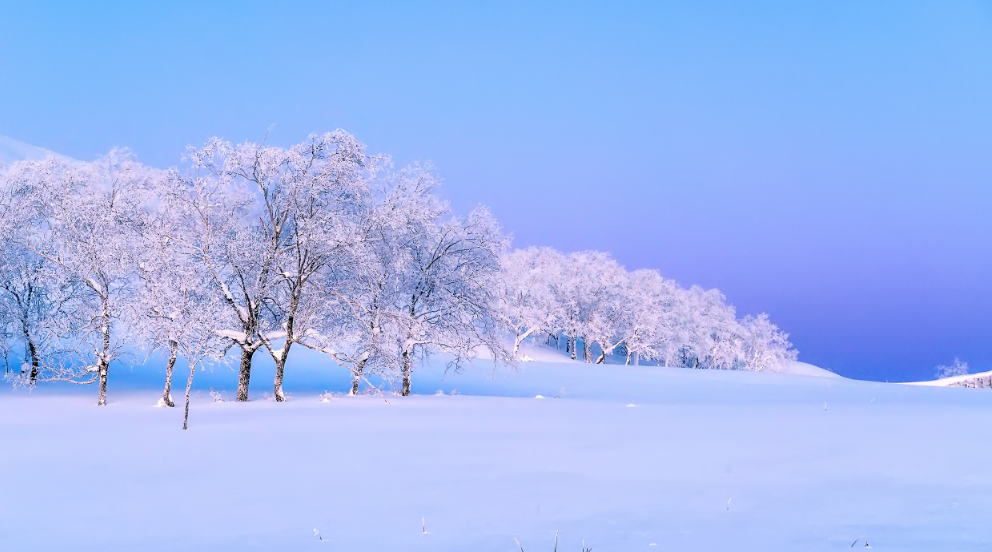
<point x="592" y="303"/>
<point x="319" y="245"/>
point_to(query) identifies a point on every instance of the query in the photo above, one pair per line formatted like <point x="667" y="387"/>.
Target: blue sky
<point x="829" y="163"/>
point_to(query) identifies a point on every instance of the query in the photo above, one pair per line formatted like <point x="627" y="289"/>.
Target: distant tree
<point x="528" y="305"/>
<point x="956" y="368"/>
<point x="765" y="347"/>
<point x="649" y="301"/>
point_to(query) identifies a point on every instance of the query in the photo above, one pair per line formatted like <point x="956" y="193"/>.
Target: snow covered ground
<point x="628" y="458"/>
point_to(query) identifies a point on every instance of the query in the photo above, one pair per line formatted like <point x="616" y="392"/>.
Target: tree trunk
<point x="406" y="373"/>
<point x="602" y="358"/>
<point x="167" y="394"/>
<point x="104" y="362"/>
<point x="244" y="374"/>
<point x="35" y="361"/>
<point x="102" y="370"/>
<point x="628" y="358"/>
<point x="572" y="340"/>
<point x="189" y="384"/>
<point x="277" y="388"/>
<point x="588" y="350"/>
<point x="357" y="377"/>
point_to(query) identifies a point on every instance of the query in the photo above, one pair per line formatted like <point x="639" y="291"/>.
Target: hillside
<point x="12" y="151"/>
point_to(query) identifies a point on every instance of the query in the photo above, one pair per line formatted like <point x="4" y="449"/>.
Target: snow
<point x="708" y="460"/>
<point x="954" y="380"/>
<point x="12" y="151"/>
<point x="805" y="369"/>
<point x="529" y="352"/>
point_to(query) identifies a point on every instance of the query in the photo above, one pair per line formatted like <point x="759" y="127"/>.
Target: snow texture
<point x="708" y="460"/>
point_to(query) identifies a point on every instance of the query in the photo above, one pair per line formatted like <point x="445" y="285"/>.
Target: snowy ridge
<point x="530" y="352"/>
<point x="12" y="151"/>
<point x="980" y="380"/>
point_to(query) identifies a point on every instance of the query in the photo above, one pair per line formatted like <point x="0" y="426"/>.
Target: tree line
<point x="319" y="245"/>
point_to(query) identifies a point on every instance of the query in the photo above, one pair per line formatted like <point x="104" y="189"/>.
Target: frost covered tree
<point x="27" y="304"/>
<point x="263" y="221"/>
<point x="586" y="292"/>
<point x="213" y="225"/>
<point x="711" y="337"/>
<point x="82" y="219"/>
<point x="765" y="347"/>
<point x="361" y="325"/>
<point x="528" y="306"/>
<point x="315" y="195"/>
<point x="649" y="303"/>
<point x="173" y="307"/>
<point x="592" y="300"/>
<point x="446" y="293"/>
<point x="179" y="313"/>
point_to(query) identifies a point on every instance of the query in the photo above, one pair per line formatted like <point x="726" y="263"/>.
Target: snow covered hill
<point x="12" y="151"/>
<point x="628" y="458"/>
<point x="537" y="353"/>
<point x="980" y="380"/>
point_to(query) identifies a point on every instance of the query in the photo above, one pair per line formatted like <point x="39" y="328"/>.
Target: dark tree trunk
<point x="244" y="373"/>
<point x="406" y="373"/>
<point x="189" y="384"/>
<point x="35" y="361"/>
<point x="103" y="364"/>
<point x="587" y="350"/>
<point x="167" y="394"/>
<point x="102" y="370"/>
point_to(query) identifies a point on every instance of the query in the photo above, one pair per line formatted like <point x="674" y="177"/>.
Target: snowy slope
<point x="980" y="379"/>
<point x="531" y="353"/>
<point x="629" y="456"/>
<point x="12" y="151"/>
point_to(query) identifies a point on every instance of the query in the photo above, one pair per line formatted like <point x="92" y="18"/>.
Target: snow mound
<point x="797" y="368"/>
<point x="530" y="352"/>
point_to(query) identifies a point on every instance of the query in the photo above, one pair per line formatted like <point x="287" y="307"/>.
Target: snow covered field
<point x="629" y="458"/>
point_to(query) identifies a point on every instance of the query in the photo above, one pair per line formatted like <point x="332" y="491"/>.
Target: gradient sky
<point x="828" y="163"/>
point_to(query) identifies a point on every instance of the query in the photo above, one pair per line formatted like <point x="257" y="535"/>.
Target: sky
<point x="829" y="163"/>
